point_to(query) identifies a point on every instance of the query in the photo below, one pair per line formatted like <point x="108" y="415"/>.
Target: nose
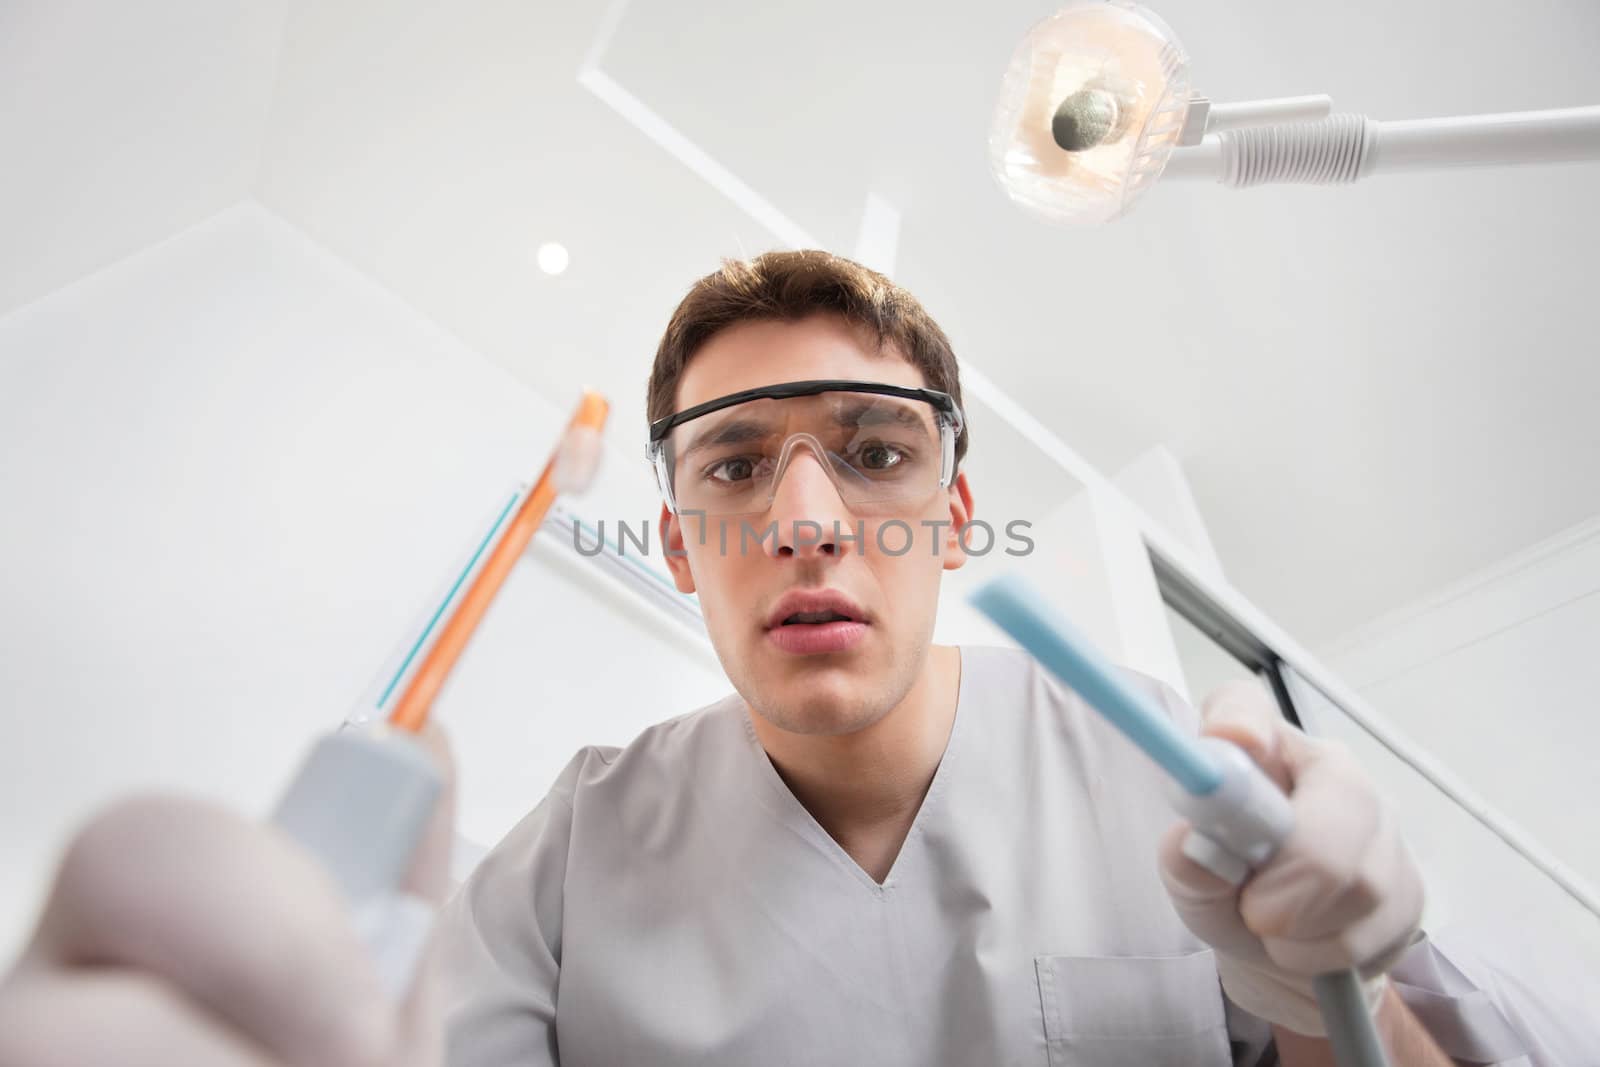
<point x="812" y="519"/>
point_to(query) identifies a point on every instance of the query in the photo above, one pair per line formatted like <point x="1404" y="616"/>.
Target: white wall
<point x="1497" y="677"/>
<point x="1481" y="892"/>
<point x="1494" y="680"/>
<point x="233" y="474"/>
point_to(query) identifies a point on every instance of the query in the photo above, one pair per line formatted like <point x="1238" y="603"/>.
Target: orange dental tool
<point x="569" y="468"/>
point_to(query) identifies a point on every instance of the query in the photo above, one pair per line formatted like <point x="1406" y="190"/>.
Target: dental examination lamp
<point x="1096" y="106"/>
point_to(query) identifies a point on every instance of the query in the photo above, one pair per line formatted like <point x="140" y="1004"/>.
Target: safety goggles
<point x="882" y="445"/>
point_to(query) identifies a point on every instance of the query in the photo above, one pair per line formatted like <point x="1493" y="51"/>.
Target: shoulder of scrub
<point x="1001" y="661"/>
<point x="664" y="745"/>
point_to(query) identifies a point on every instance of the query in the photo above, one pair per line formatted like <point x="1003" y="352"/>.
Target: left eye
<point x="879" y="456"/>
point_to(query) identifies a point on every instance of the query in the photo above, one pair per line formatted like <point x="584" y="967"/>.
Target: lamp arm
<point x="1343" y="148"/>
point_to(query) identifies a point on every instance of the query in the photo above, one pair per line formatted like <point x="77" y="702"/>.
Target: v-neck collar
<point x="796" y="817"/>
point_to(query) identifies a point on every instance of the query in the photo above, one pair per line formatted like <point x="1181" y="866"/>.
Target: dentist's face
<point x="825" y="637"/>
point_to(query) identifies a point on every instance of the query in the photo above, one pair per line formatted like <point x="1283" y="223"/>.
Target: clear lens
<point x="878" y="450"/>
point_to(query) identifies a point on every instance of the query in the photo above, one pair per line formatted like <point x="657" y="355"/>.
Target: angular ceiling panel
<point x="121" y="124"/>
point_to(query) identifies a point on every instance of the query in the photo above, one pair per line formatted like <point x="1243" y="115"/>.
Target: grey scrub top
<point x="671" y="902"/>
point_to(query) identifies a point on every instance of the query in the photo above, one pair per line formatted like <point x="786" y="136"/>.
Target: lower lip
<point x="811" y="638"/>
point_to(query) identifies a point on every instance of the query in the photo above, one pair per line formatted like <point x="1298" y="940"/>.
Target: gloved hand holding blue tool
<point x="1289" y="864"/>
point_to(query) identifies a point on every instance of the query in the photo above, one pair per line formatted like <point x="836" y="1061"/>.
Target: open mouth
<point x="812" y="621"/>
<point x="802" y="618"/>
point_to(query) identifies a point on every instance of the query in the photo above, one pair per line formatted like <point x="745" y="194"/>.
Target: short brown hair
<point x="788" y="286"/>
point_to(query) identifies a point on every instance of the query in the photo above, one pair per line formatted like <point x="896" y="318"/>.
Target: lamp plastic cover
<point x="1130" y="64"/>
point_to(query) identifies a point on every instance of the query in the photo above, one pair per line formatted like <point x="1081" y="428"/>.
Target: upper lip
<point x="807" y="600"/>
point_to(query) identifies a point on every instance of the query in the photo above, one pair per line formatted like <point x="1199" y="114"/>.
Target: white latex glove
<point x="1342" y="891"/>
<point x="179" y="933"/>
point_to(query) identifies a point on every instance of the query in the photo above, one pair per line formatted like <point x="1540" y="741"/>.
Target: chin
<point x="825" y="695"/>
<point x="826" y="699"/>
<point x="817" y="716"/>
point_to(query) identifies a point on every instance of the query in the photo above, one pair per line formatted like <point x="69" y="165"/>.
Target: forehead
<point x="749" y="355"/>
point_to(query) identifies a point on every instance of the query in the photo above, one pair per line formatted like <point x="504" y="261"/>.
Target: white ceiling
<point x="121" y="124"/>
<point x="1375" y="390"/>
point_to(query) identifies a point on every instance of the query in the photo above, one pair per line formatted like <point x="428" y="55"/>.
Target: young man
<point x="876" y="850"/>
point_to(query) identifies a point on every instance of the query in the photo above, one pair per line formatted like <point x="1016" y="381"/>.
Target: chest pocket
<point x="1133" y="1011"/>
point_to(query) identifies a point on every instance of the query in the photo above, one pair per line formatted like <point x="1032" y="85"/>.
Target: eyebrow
<point x="848" y="413"/>
<point x="862" y="412"/>
<point x="733" y="432"/>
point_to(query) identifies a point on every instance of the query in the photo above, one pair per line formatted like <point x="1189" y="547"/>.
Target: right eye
<point x="730" y="471"/>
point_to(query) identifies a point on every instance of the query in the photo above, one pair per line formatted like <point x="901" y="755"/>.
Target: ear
<point x="672" y="547"/>
<point x="961" y="511"/>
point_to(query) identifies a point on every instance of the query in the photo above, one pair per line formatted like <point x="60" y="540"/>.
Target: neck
<point x="864" y="788"/>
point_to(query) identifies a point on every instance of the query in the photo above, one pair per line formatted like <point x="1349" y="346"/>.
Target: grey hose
<point x="1351" y="1031"/>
